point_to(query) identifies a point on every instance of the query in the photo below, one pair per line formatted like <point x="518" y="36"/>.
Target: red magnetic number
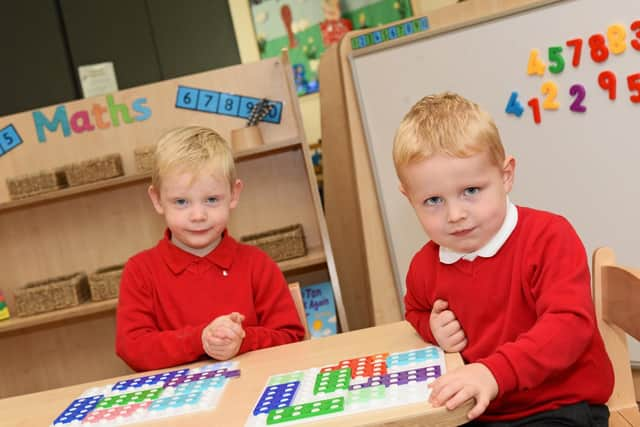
<point x="534" y="103"/>
<point x="635" y="27"/>
<point x="599" y="51"/>
<point x="633" y="81"/>
<point x="607" y="81"/>
<point x="576" y="44"/>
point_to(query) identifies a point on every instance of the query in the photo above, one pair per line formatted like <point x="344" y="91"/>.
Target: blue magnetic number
<point x="514" y="106"/>
<point x="187" y="98"/>
<point x="377" y="37"/>
<point x="275" y="114"/>
<point x="9" y="139"/>
<point x="208" y="101"/>
<point x="408" y="28"/>
<point x="229" y="104"/>
<point x="246" y="106"/>
<point x="393" y="33"/>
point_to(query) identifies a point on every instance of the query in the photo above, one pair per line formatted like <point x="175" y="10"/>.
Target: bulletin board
<point x="570" y="126"/>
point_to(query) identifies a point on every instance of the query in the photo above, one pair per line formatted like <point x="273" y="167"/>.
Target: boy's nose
<point x="198" y="213"/>
<point x="456" y="212"/>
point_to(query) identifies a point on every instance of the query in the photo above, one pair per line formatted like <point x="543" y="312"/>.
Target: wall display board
<point x="98" y="224"/>
<point x="561" y="79"/>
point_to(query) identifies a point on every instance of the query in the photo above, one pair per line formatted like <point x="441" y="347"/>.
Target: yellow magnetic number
<point x="550" y="91"/>
<point x="616" y="37"/>
<point x="536" y="65"/>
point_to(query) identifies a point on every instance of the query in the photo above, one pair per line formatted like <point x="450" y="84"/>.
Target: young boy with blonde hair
<point x="505" y="285"/>
<point x="198" y="292"/>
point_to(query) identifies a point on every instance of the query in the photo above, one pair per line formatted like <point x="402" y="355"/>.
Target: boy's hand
<point x="221" y="339"/>
<point x="454" y="388"/>
<point x="446" y="328"/>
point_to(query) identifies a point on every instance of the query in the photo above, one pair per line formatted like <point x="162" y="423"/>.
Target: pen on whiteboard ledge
<point x="255" y="111"/>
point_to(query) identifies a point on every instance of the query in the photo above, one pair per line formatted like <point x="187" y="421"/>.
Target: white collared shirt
<point x="448" y="256"/>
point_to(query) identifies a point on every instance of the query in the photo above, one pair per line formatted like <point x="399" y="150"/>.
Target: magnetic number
<point x="576" y="44"/>
<point x="635" y="27"/>
<point x="535" y="108"/>
<point x="599" y="51"/>
<point x="607" y="81"/>
<point x="550" y="90"/>
<point x="555" y="56"/>
<point x="535" y="65"/>
<point x="513" y="105"/>
<point x="633" y="81"/>
<point x="578" y="91"/>
<point x="616" y="35"/>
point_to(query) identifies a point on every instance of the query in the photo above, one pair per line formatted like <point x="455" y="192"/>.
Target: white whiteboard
<point x="585" y="166"/>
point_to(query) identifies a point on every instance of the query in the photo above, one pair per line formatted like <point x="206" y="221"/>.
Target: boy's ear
<point x="236" y="189"/>
<point x="508" y="173"/>
<point x="154" y="195"/>
<point x="403" y="191"/>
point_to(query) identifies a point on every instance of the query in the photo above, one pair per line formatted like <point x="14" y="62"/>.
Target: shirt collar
<point x="447" y="256"/>
<point x="178" y="260"/>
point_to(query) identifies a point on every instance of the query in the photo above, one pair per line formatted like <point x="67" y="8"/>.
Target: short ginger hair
<point x="192" y="149"/>
<point x="448" y="124"/>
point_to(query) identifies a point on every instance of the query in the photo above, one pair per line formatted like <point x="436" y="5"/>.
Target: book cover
<point x="320" y="309"/>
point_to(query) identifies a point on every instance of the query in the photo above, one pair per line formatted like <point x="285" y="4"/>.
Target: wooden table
<point x="241" y="394"/>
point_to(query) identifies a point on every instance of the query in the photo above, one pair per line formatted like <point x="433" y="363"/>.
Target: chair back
<point x="616" y="293"/>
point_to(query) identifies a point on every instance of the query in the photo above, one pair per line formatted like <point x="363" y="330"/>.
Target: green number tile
<point x="133" y="397"/>
<point x="328" y="382"/>
<point x="306" y="410"/>
<point x="286" y="378"/>
<point x="366" y="395"/>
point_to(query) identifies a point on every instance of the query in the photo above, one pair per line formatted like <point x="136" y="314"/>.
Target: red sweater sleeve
<point x="278" y="321"/>
<point x="417" y="306"/>
<point x="139" y="341"/>
<point x="559" y="281"/>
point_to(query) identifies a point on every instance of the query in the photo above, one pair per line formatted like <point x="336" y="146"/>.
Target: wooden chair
<point x="617" y="302"/>
<point x="296" y="293"/>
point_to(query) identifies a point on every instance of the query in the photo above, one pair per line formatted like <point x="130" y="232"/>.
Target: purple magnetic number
<point x="579" y="92"/>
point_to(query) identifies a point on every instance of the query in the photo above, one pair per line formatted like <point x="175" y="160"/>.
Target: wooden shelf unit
<point x="92" y="226"/>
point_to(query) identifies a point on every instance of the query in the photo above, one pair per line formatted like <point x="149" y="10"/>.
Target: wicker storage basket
<point x="104" y="283"/>
<point x="29" y="185"/>
<point x="281" y="243"/>
<point x="93" y="170"/>
<point x="52" y="294"/>
<point x="143" y="157"/>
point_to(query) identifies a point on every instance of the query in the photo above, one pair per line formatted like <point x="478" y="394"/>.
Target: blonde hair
<point x="192" y="149"/>
<point x="447" y="124"/>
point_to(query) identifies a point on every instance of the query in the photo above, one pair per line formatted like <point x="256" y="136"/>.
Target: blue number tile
<point x="393" y="33"/>
<point x="187" y="97"/>
<point x="275" y="115"/>
<point x="77" y="410"/>
<point x="208" y="101"/>
<point x="9" y="139"/>
<point x="424" y="24"/>
<point x="362" y="41"/>
<point x="246" y="105"/>
<point x="408" y="28"/>
<point x="377" y="37"/>
<point x="229" y="104"/>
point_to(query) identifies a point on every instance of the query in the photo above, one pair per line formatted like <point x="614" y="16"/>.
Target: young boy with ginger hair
<point x="198" y="292"/>
<point x="506" y="286"/>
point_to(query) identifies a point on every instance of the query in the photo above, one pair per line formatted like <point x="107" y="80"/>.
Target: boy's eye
<point x="471" y="191"/>
<point x="433" y="201"/>
<point x="181" y="202"/>
<point x="212" y="200"/>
